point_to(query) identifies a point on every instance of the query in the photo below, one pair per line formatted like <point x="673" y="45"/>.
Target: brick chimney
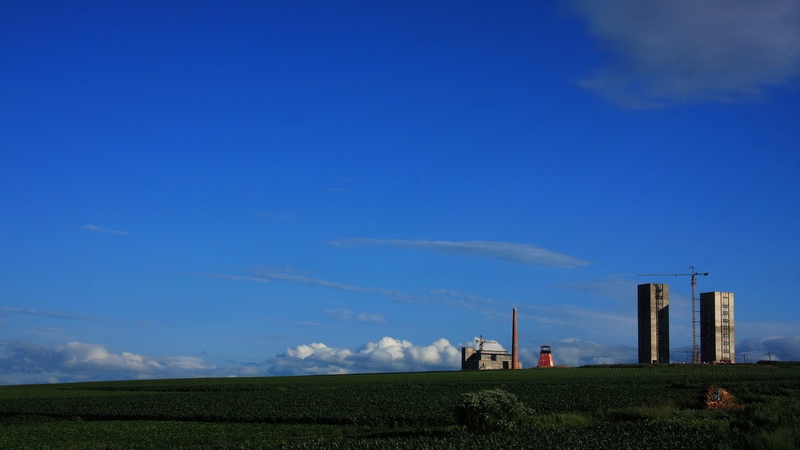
<point x="514" y="354"/>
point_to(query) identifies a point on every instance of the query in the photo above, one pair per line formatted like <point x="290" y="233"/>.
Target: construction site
<point x="713" y="339"/>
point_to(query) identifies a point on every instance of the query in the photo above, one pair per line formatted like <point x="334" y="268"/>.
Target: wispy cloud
<point x="446" y="297"/>
<point x="255" y="279"/>
<point x="746" y="330"/>
<point x="463" y="300"/>
<point x="692" y="50"/>
<point x="275" y="217"/>
<point x="265" y="273"/>
<point x="560" y="317"/>
<point x="561" y="321"/>
<point x="105" y="230"/>
<point x="567" y="314"/>
<point x="287" y="275"/>
<point x="5" y="310"/>
<point x="347" y="315"/>
<point x="504" y="251"/>
<point x="613" y="287"/>
<point x="549" y="318"/>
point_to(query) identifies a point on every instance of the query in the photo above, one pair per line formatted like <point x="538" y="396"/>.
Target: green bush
<point x="491" y="410"/>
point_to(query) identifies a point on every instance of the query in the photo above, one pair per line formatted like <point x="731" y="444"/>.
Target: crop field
<point x="601" y="407"/>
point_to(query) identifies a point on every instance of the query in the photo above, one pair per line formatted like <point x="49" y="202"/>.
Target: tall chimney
<point x="514" y="354"/>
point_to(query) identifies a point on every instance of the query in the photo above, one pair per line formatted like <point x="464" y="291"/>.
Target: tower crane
<point x="694" y="274"/>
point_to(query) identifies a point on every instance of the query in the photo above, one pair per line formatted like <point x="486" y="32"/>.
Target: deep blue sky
<point x="253" y="188"/>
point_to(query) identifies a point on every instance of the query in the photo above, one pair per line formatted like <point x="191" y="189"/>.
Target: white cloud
<point x="385" y="355"/>
<point x="386" y="349"/>
<point x="439" y="353"/>
<point x="104" y="230"/>
<point x="318" y="351"/>
<point x="692" y="50"/>
<point x="23" y="362"/>
<point x="81" y="356"/>
<point x="505" y="251"/>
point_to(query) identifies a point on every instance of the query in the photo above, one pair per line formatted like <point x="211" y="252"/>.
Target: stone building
<point x="488" y="356"/>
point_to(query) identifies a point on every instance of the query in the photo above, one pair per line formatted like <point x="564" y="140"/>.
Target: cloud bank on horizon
<point x="26" y="363"/>
<point x="692" y="50"/>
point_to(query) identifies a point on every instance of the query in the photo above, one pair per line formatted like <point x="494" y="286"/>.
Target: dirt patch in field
<point x="718" y="398"/>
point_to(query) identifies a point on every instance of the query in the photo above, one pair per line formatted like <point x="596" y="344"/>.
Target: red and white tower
<point x="546" y="357"/>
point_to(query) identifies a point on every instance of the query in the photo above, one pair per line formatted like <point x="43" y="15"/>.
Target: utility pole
<point x="694" y="274"/>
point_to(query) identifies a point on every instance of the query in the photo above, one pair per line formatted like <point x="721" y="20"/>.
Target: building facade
<point x="488" y="356"/>
<point x="717" y="343"/>
<point x="653" y="308"/>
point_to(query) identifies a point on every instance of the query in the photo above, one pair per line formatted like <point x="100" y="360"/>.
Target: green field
<point x="642" y="407"/>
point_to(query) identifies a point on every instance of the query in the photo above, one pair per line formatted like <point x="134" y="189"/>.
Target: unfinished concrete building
<point x="653" y="308"/>
<point x="716" y="328"/>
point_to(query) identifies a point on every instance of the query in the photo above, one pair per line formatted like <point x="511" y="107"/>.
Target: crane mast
<point x="694" y="274"/>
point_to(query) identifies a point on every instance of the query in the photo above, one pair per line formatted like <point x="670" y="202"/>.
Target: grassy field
<point x="603" y="407"/>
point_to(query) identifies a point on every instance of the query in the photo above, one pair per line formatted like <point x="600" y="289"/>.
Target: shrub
<point x="491" y="410"/>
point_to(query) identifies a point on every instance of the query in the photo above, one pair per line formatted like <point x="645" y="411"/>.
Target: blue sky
<point x="261" y="188"/>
